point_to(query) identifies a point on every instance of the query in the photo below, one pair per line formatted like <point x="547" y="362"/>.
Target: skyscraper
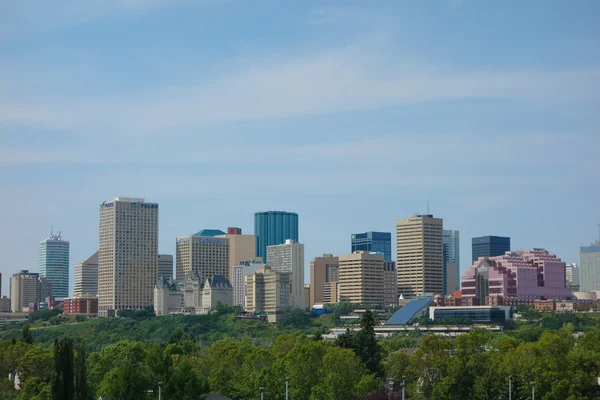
<point x="322" y="270"/>
<point x="360" y="279"/>
<point x="127" y="255"/>
<point x="165" y="266"/>
<point x="451" y="255"/>
<point x="23" y="290"/>
<point x="289" y="258"/>
<point x="203" y="253"/>
<point x="573" y="277"/>
<point x="239" y="272"/>
<point x="489" y="246"/>
<point x="373" y="242"/>
<point x="390" y="284"/>
<point x="54" y="264"/>
<point x="267" y="291"/>
<point x="86" y="277"/>
<point x="273" y="228"/>
<point x="241" y="248"/>
<point x="589" y="267"/>
<point x="420" y="255"/>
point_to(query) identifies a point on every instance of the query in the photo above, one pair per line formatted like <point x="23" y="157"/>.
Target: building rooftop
<point x="209" y="232"/>
<point x="404" y="315"/>
<point x="219" y="281"/>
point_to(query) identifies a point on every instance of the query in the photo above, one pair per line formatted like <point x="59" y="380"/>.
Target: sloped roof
<point x="209" y="232"/>
<point x="404" y="315"/>
<point x="219" y="281"/>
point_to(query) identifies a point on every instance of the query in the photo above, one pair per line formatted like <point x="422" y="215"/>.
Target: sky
<point x="352" y="114"/>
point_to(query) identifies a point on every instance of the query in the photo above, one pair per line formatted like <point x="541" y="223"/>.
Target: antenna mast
<point x="427" y="207"/>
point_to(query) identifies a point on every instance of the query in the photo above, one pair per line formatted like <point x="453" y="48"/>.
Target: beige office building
<point x="268" y="291"/>
<point x="165" y="266"/>
<point x="331" y="294"/>
<point x="322" y="270"/>
<point x="207" y="256"/>
<point x="241" y="248"/>
<point x="127" y="255"/>
<point x="289" y="257"/>
<point x="86" y="277"/>
<point x="24" y="288"/>
<point x="360" y="278"/>
<point x="419" y="255"/>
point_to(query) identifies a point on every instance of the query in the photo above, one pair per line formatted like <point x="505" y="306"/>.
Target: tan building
<point x="322" y="270"/>
<point x="289" y="257"/>
<point x="451" y="273"/>
<point x="24" y="288"/>
<point x="307" y="305"/>
<point x="361" y="278"/>
<point x="241" y="248"/>
<point x="268" y="291"/>
<point x="390" y="284"/>
<point x="206" y="255"/>
<point x="127" y="255"/>
<point x="419" y="255"/>
<point x="331" y="294"/>
<point x="86" y="277"/>
<point x="216" y="289"/>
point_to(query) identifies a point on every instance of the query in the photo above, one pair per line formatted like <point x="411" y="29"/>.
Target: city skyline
<point x="218" y="110"/>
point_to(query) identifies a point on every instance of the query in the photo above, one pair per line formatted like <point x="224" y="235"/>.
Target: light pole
<point x="532" y="390"/>
<point x="287" y="382"/>
<point x="510" y="387"/>
<point x="159" y="390"/>
<point x="262" y="392"/>
<point x="403" y="386"/>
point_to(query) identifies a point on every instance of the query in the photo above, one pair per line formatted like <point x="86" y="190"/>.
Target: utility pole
<point x="262" y="393"/>
<point x="510" y="387"/>
<point x="287" y="381"/>
<point x="159" y="391"/>
<point x="403" y="386"/>
<point x="532" y="390"/>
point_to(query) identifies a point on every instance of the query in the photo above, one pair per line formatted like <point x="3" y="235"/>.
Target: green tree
<point x="26" y="335"/>
<point x="37" y="362"/>
<point x="366" y="345"/>
<point x="62" y="378"/>
<point x="81" y="387"/>
<point x="129" y="381"/>
<point x="186" y="382"/>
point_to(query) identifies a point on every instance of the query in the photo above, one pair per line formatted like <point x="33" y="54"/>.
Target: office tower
<point x="165" y="266"/>
<point x="517" y="277"/>
<point x="203" y="253"/>
<point x="573" y="277"/>
<point x="44" y="290"/>
<point x="589" y="264"/>
<point x="273" y="228"/>
<point x="331" y="293"/>
<point x="239" y="271"/>
<point x="451" y="255"/>
<point x="373" y="242"/>
<point x="241" y="248"/>
<point x="322" y="270"/>
<point x="54" y="264"/>
<point x="289" y="257"/>
<point x="390" y="284"/>
<point x="23" y="290"/>
<point x="86" y="277"/>
<point x="360" y="278"/>
<point x="127" y="255"/>
<point x="419" y="255"/>
<point x="267" y="291"/>
<point x="489" y="246"/>
<point x="4" y="304"/>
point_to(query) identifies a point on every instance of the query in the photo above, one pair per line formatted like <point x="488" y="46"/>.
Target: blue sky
<point x="350" y="113"/>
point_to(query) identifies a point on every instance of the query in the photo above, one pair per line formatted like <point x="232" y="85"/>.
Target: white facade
<point x="86" y="277"/>
<point x="216" y="289"/>
<point x="573" y="277"/>
<point x="192" y="287"/>
<point x="239" y="286"/>
<point x="168" y="297"/>
<point x="289" y="257"/>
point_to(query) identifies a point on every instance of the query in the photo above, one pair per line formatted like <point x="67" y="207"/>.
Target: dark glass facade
<point x="375" y="242"/>
<point x="274" y="227"/>
<point x="489" y="246"/>
<point x="475" y="314"/>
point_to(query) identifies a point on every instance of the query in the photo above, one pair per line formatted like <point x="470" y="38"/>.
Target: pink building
<point x="516" y="277"/>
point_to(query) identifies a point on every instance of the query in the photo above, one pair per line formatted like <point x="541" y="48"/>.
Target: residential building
<point x="516" y="277"/>
<point x="573" y="277"/>
<point x="589" y="264"/>
<point x="273" y="228"/>
<point x="81" y="305"/>
<point x="451" y="242"/>
<point x="390" y="284"/>
<point x="168" y="297"/>
<point x="204" y="253"/>
<point x="361" y="278"/>
<point x="373" y="242"/>
<point x="86" y="277"/>
<point x="164" y="266"/>
<point x="322" y="270"/>
<point x="331" y="293"/>
<point x="489" y="246"/>
<point x="241" y="248"/>
<point x="127" y="255"/>
<point x="23" y="290"/>
<point x="4" y="304"/>
<point x="419" y="255"/>
<point x="289" y="257"/>
<point x="216" y="289"/>
<point x="54" y="264"/>
<point x="268" y="291"/>
<point x="239" y="271"/>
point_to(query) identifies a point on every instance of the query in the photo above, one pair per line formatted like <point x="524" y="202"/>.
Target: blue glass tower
<point x="489" y="246"/>
<point x="272" y="228"/>
<point x="374" y="242"/>
<point x="54" y="264"/>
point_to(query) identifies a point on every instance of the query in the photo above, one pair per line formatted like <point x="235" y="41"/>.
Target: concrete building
<point x="216" y="289"/>
<point x="289" y="257"/>
<point x="23" y="290"/>
<point x="361" y="278"/>
<point x="81" y="305"/>
<point x="322" y="270"/>
<point x="165" y="266"/>
<point x="192" y="288"/>
<point x="241" y="248"/>
<point x="373" y="242"/>
<point x="239" y="286"/>
<point x="86" y="277"/>
<point x="451" y="242"/>
<point x="127" y="255"/>
<point x="478" y="314"/>
<point x="573" y="277"/>
<point x="168" y="297"/>
<point x="390" y="284"/>
<point x="331" y="293"/>
<point x="419" y="255"/>
<point x="203" y="253"/>
<point x="516" y="277"/>
<point x="272" y="228"/>
<point x="489" y="246"/>
<point x="54" y="264"/>
<point x="589" y="263"/>
<point x="268" y="291"/>
<point x="4" y="304"/>
<point x="307" y="305"/>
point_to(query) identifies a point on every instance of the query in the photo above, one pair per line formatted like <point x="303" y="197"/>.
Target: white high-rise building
<point x="289" y="257"/>
<point x="86" y="277"/>
<point x="239" y="271"/>
<point x="127" y="255"/>
<point x="451" y="261"/>
<point x="573" y="277"/>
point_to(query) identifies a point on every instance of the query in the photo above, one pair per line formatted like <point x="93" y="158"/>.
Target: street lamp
<point x="532" y="390"/>
<point x="510" y="387"/>
<point x="159" y="390"/>
<point x="403" y="386"/>
<point x="262" y="392"/>
<point x="287" y="382"/>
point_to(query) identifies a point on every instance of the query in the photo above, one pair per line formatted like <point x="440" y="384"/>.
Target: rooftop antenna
<point x="51" y="230"/>
<point x="427" y="207"/>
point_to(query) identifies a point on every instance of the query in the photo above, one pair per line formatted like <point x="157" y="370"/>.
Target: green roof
<point x="209" y="232"/>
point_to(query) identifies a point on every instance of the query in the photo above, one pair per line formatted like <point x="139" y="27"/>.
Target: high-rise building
<point x="86" y="277"/>
<point x="573" y="277"/>
<point x="419" y="255"/>
<point x="239" y="271"/>
<point x="127" y="255"/>
<point x="489" y="246"/>
<point x="451" y="255"/>
<point x="0" y="284"/>
<point x="268" y="291"/>
<point x="44" y="290"/>
<point x="589" y="264"/>
<point x="289" y="257"/>
<point x="54" y="264"/>
<point x="331" y="293"/>
<point x="241" y="248"/>
<point x="203" y="253"/>
<point x="390" y="284"/>
<point x="273" y="228"/>
<point x="373" y="242"/>
<point x="165" y="266"/>
<point x="322" y="270"/>
<point x="360" y="278"/>
<point x="24" y="287"/>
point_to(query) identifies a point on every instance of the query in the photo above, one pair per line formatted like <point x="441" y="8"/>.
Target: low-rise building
<point x="216" y="289"/>
<point x="168" y="297"/>
<point x="81" y="305"/>
<point x="478" y="314"/>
